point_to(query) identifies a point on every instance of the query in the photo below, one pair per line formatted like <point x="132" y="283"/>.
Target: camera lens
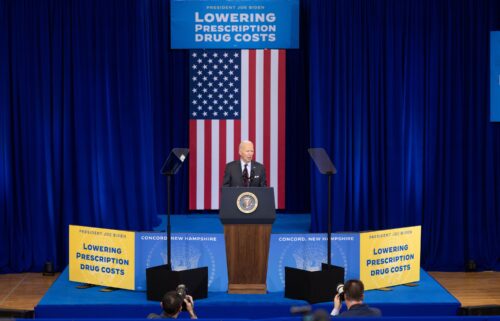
<point x="340" y="291"/>
<point x="181" y="291"/>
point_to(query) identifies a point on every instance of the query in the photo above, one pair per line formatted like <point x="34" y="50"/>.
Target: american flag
<point x="235" y="95"/>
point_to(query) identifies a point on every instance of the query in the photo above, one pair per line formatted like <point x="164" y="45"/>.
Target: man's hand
<point x="336" y="305"/>
<point x="336" y="302"/>
<point x="190" y="306"/>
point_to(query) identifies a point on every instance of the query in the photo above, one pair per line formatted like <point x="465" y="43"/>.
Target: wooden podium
<point x="247" y="214"/>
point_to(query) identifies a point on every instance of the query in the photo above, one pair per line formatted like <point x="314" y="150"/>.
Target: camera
<point x="340" y="291"/>
<point x="309" y="315"/>
<point x="181" y="291"/>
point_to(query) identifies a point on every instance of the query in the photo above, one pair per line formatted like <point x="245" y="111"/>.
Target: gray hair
<point x="243" y="142"/>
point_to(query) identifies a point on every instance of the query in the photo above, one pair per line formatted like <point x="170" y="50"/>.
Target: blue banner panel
<point x="307" y="252"/>
<point x="189" y="251"/>
<point x="226" y="24"/>
<point x="193" y="250"/>
<point x="495" y="75"/>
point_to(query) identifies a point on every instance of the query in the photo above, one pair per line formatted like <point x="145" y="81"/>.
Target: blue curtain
<point x="399" y="98"/>
<point x="92" y="100"/>
<point x="89" y="109"/>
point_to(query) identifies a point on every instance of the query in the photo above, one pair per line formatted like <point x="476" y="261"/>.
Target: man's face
<point x="246" y="152"/>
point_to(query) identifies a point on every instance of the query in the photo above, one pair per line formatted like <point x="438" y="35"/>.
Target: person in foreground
<point x="245" y="172"/>
<point x="354" y="292"/>
<point x="172" y="306"/>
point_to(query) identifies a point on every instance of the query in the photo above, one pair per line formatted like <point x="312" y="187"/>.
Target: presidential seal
<point x="247" y="202"/>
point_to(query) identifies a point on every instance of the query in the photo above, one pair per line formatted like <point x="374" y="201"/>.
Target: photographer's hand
<point x="190" y="306"/>
<point x="336" y="305"/>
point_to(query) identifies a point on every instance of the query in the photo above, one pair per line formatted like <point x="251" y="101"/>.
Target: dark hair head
<point x="171" y="303"/>
<point x="354" y="290"/>
<point x="320" y="315"/>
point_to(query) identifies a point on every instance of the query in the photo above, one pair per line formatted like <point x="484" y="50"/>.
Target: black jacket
<point x="233" y="176"/>
<point x="361" y="310"/>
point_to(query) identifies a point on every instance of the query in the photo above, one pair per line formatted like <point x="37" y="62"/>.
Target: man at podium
<point x="245" y="172"/>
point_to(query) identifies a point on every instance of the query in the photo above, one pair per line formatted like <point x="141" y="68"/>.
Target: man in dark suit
<point x="245" y="172"/>
<point x="354" y="293"/>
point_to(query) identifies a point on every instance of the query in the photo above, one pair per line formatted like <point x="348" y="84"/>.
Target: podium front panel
<point x="264" y="213"/>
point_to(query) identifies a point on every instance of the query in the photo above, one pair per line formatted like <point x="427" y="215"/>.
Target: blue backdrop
<point x="92" y="99"/>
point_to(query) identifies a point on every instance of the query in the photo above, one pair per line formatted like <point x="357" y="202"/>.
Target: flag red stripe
<point x="267" y="111"/>
<point x="251" y="95"/>
<point x="222" y="151"/>
<point x="281" y="128"/>
<point x="192" y="164"/>
<point x="208" y="164"/>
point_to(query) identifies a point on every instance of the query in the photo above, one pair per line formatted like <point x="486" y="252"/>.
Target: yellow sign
<point x="102" y="257"/>
<point x="390" y="257"/>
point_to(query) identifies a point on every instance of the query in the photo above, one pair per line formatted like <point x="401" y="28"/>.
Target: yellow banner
<point x="102" y="256"/>
<point x="390" y="257"/>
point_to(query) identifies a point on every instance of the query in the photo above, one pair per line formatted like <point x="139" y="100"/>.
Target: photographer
<point x="353" y="293"/>
<point x="172" y="306"/>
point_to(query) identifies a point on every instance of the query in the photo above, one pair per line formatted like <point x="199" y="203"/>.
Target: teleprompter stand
<point x="317" y="286"/>
<point x="161" y="279"/>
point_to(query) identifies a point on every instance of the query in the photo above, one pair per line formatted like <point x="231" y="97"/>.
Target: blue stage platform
<point x="63" y="300"/>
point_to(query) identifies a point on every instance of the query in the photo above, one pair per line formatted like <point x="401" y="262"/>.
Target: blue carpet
<point x="210" y="223"/>
<point x="63" y="300"/>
